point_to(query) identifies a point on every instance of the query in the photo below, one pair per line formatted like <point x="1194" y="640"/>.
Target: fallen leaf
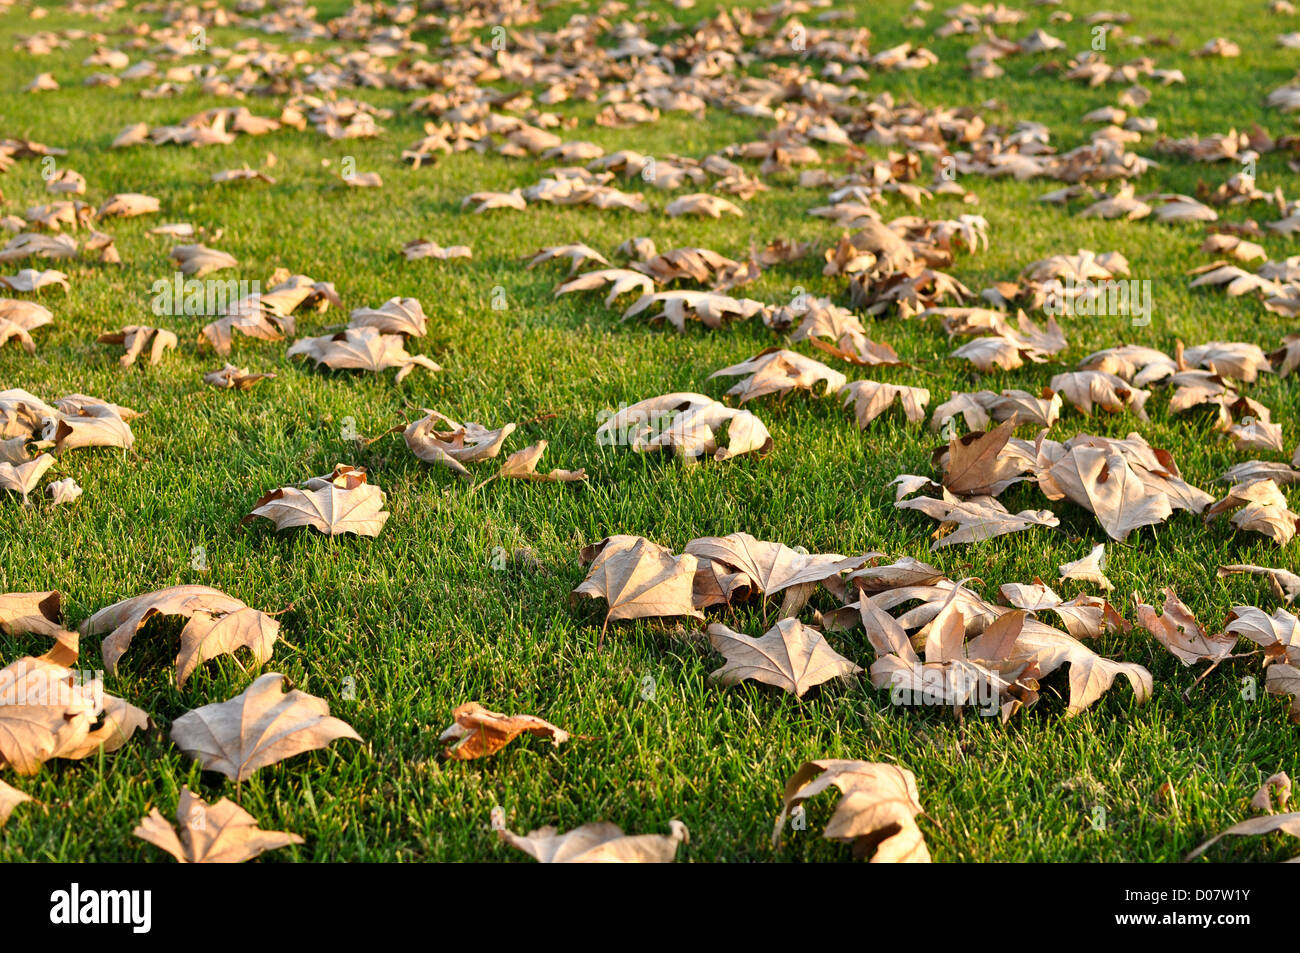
<point x="257" y="728"/>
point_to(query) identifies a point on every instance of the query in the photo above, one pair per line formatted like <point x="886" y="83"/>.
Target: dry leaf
<point x="10" y="798"/>
<point x="256" y="728"/>
<point x="876" y="813"/>
<point x="362" y="349"/>
<point x="477" y="732"/>
<point x="455" y="445"/>
<point x="599" y="843"/>
<point x="790" y="655"/>
<point x="1179" y="632"/>
<point x="640" y="580"/>
<point x="136" y="337"/>
<point x="338" y="502"/>
<point x="221" y="833"/>
<point x="1091" y="568"/>
<point x="218" y="624"/>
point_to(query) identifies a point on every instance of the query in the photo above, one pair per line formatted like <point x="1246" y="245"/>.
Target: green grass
<point x="419" y="618"/>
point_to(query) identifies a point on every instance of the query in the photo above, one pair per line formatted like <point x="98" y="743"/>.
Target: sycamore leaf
<point x="128" y="204"/>
<point x="24" y="477"/>
<point x="1278" y="633"/>
<point x="599" y="843"/>
<point x="262" y="725"/>
<point x="338" y="502"/>
<point x="871" y="399"/>
<point x="777" y="370"/>
<point x="48" y="711"/>
<point x="689" y="424"/>
<point x="1285" y="584"/>
<point x="394" y="316"/>
<point x="641" y="580"/>
<point x="1263" y="799"/>
<point x="978" y="463"/>
<point x="197" y="260"/>
<point x="218" y="624"/>
<point x="10" y="798"/>
<point x="477" y="732"/>
<point x="221" y="833"/>
<point x="522" y="465"/>
<point x="136" y="338"/>
<point x="771" y="567"/>
<point x="619" y="280"/>
<point x="1254" y="827"/>
<point x="423" y="248"/>
<point x="436" y="438"/>
<point x="1103" y="483"/>
<point x="1091" y="568"/>
<point x="1086" y="389"/>
<point x="1179" y="632"/>
<point x="231" y="377"/>
<point x="876" y="814"/>
<point x="1260" y="508"/>
<point x="362" y="349"/>
<point x="703" y="204"/>
<point x="976" y="519"/>
<point x="790" y="655"/>
<point x="63" y="491"/>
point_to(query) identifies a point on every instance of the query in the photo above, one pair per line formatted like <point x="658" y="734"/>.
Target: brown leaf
<point x="477" y="732"/>
<point x="10" y="798"/>
<point x="877" y="813"/>
<point x="1179" y="632"/>
<point x="218" y="625"/>
<point x="362" y="349"/>
<point x="257" y="728"/>
<point x="790" y="655"/>
<point x="221" y="833"/>
<point x="599" y="843"/>
<point x="641" y="580"/>
<point x="1103" y="483"/>
<point x="338" y="502"/>
<point x="1263" y="799"/>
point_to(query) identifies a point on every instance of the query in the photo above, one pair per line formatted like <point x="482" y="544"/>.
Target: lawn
<point x="396" y="631"/>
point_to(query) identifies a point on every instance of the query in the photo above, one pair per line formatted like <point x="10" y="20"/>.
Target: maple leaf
<point x="231" y="377"/>
<point x="777" y="370"/>
<point x="477" y="732"/>
<point x="1102" y="482"/>
<point x="876" y="813"/>
<point x="436" y="438"/>
<point x="599" y="843"/>
<point x="258" y="727"/>
<point x="619" y="280"/>
<point x="689" y="424"/>
<point x="639" y="579"/>
<point x="394" y="316"/>
<point x="338" y="502"/>
<point x="10" y="798"/>
<point x="48" y="711"/>
<point x="790" y="655"/>
<point x="1179" y="632"/>
<point x="979" y="464"/>
<point x="1091" y="568"/>
<point x="362" y="349"/>
<point x="871" y="399"/>
<point x="136" y="337"/>
<point x="1260" y="508"/>
<point x="1285" y="584"/>
<point x="220" y="833"/>
<point x="975" y="519"/>
<point x="219" y="624"/>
